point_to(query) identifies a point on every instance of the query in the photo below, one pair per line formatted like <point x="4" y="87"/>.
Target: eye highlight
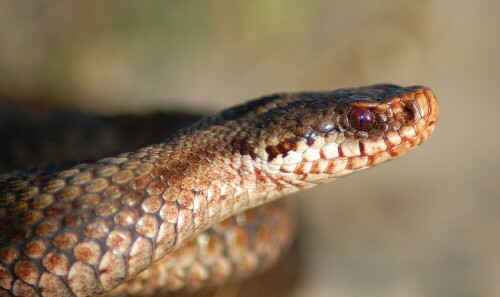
<point x="361" y="119"/>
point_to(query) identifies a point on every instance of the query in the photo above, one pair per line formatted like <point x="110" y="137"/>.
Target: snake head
<point x="337" y="132"/>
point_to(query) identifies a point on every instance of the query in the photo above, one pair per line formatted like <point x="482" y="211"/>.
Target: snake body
<point x="87" y="229"/>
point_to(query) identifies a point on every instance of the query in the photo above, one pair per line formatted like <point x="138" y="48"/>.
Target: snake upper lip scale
<point x="90" y="228"/>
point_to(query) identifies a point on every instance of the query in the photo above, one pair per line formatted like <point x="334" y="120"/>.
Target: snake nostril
<point x="405" y="114"/>
<point x="409" y="114"/>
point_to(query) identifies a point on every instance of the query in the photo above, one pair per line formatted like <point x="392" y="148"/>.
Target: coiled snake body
<point x="86" y="230"/>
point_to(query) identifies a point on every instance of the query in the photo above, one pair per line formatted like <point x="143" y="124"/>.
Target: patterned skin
<point x="87" y="229"/>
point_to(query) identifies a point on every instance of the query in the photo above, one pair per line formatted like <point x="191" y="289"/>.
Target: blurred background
<point x="425" y="225"/>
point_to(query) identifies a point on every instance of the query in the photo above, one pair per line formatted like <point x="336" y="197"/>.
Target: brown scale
<point x="89" y="228"/>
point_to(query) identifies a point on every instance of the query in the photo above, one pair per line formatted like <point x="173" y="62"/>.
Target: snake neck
<point x="215" y="176"/>
<point x="209" y="176"/>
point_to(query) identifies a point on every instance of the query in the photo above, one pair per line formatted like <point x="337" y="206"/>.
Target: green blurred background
<point x="425" y="225"/>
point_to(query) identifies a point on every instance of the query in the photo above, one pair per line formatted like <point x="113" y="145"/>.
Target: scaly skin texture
<point x="235" y="249"/>
<point x="86" y="230"/>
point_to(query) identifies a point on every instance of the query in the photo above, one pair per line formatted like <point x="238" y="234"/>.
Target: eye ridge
<point x="361" y="119"/>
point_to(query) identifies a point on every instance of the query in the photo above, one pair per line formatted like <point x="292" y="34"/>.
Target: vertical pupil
<point x="362" y="119"/>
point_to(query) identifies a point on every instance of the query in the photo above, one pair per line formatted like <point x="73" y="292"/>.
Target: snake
<point x="187" y="212"/>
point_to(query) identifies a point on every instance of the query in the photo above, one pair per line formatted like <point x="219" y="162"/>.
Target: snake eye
<point x="361" y="119"/>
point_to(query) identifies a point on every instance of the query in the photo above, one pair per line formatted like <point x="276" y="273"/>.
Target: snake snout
<point x="433" y="108"/>
<point x="428" y="107"/>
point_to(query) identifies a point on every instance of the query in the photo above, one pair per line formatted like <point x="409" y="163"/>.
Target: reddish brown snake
<point x="90" y="228"/>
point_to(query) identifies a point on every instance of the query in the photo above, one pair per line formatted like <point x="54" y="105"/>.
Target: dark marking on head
<point x="283" y="147"/>
<point x="362" y="149"/>
<point x="245" y="148"/>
